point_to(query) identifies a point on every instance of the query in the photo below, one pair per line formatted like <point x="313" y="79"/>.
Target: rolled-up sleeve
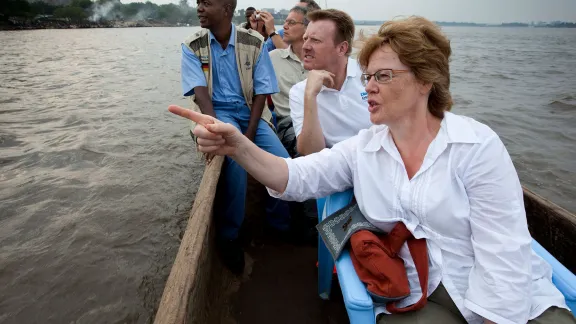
<point x="296" y="109"/>
<point x="500" y="280"/>
<point x="320" y="174"/>
<point x="191" y="71"/>
<point x="264" y="76"/>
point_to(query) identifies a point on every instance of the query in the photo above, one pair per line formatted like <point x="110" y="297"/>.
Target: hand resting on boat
<point x="218" y="138"/>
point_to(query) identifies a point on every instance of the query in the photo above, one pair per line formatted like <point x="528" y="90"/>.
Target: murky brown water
<point x="96" y="178"/>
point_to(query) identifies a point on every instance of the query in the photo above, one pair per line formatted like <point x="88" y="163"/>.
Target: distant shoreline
<point x="59" y="24"/>
<point x="466" y="24"/>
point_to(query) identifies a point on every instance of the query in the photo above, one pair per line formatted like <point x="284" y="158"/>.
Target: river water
<point x="97" y="179"/>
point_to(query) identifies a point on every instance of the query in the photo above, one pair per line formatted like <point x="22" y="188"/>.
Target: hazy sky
<point x="489" y="11"/>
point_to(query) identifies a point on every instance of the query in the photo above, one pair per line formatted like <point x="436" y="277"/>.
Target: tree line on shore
<point x="97" y="11"/>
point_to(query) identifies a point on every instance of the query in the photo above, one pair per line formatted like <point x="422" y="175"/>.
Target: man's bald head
<point x="215" y="13"/>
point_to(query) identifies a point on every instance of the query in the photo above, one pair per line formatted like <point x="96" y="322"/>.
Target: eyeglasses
<point x="381" y="76"/>
<point x="292" y="22"/>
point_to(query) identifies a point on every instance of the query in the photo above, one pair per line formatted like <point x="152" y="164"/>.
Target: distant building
<point x="270" y="10"/>
<point x="284" y="12"/>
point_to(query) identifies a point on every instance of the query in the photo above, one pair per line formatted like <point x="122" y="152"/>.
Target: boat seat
<point x="325" y="261"/>
<point x="359" y="304"/>
<point x="562" y="278"/>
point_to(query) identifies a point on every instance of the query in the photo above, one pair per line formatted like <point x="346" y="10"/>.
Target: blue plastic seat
<point x="562" y="278"/>
<point x="359" y="304"/>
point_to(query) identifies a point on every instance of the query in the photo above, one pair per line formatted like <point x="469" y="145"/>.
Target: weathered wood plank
<point x="191" y="269"/>
<point x="553" y="227"/>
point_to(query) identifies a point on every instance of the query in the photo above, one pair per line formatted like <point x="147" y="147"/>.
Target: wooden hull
<point x="553" y="227"/>
<point x="198" y="288"/>
<point x="194" y="291"/>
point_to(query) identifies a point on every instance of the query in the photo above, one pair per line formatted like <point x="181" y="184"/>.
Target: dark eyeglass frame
<point x="381" y="76"/>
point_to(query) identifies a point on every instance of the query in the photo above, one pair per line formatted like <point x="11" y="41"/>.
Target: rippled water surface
<point x="96" y="178"/>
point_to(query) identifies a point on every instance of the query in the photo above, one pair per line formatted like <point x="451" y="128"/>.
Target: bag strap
<point x="419" y="254"/>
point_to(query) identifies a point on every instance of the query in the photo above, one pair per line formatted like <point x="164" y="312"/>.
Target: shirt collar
<point x="456" y="129"/>
<point x="378" y="139"/>
<point x="352" y="71"/>
<point x="287" y="52"/>
<point x="232" y="36"/>
<point x="352" y="68"/>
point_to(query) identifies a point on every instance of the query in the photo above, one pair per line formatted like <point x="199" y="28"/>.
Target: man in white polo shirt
<point x="331" y="105"/>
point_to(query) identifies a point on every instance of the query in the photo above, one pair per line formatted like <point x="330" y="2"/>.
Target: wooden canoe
<point x="198" y="288"/>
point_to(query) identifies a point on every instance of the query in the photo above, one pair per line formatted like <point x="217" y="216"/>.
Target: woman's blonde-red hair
<point x="421" y="45"/>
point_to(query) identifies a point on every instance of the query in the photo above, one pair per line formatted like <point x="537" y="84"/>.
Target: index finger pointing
<point x="192" y="115"/>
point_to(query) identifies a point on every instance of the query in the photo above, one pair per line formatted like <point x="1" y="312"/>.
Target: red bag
<point x="376" y="261"/>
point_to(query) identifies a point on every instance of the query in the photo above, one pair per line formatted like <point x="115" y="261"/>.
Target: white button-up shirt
<point x="342" y="114"/>
<point x="466" y="200"/>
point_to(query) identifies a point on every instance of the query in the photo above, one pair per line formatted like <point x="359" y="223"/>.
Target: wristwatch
<point x="272" y="34"/>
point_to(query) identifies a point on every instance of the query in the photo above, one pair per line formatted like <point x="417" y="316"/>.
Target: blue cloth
<point x="226" y="86"/>
<point x="230" y="213"/>
<point x="269" y="45"/>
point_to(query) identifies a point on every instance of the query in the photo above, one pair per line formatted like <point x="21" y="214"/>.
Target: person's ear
<point x="426" y="88"/>
<point x="343" y="48"/>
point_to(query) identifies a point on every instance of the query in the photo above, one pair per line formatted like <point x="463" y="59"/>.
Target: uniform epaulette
<point x="198" y="39"/>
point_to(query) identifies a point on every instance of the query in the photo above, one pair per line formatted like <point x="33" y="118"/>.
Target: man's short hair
<point x="302" y="10"/>
<point x="232" y="3"/>
<point x="343" y="21"/>
<point x="311" y="5"/>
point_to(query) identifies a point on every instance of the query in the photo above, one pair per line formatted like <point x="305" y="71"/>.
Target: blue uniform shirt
<point x="226" y="85"/>
<point x="270" y="44"/>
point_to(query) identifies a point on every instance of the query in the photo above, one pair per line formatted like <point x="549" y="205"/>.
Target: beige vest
<point x="247" y="49"/>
